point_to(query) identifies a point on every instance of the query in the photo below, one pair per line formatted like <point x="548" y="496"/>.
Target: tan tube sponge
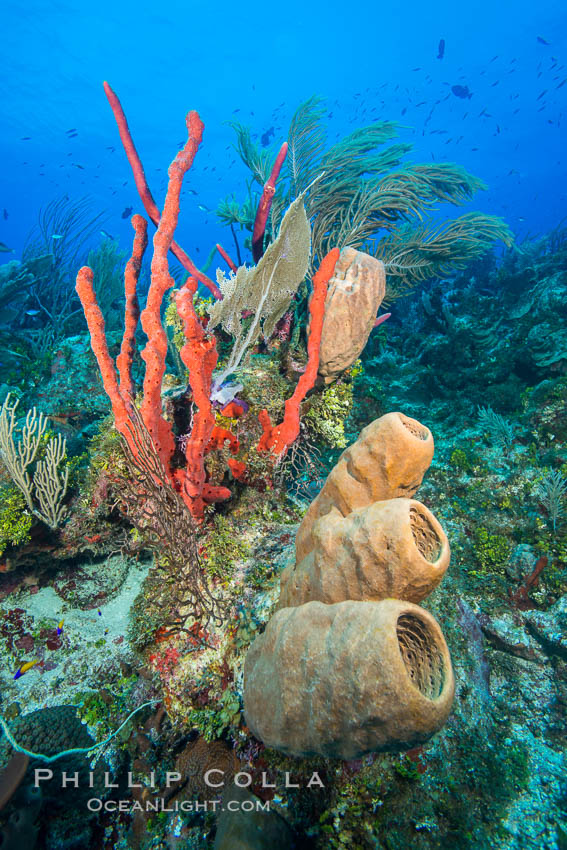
<point x="392" y="549"/>
<point x="354" y="295"/>
<point x="388" y="460"/>
<point x="343" y="680"/>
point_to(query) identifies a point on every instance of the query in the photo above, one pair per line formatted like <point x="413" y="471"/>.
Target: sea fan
<point x="501" y="431"/>
<point x="262" y="293"/>
<point x="361" y="193"/>
<point x="551" y="493"/>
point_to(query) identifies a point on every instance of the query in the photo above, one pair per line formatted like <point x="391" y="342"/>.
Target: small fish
<point x="76" y="165"/>
<point x="441" y="52"/>
<point x="72" y="130"/>
<point x="6" y="211"/>
<point x="265" y="137"/>
<point x="127" y="212"/>
<point x="99" y="612"/>
<point x="190" y="191"/>
<point x="25" y="139"/>
<point x="203" y="208"/>
<point x="542" y="40"/>
<point x="23" y="668"/>
<point x="381" y="319"/>
<point x="5" y="250"/>
<point x="106" y="235"/>
<point x="60" y="627"/>
<point x="461" y="91"/>
<point x="57" y="236"/>
<point x="32" y="312"/>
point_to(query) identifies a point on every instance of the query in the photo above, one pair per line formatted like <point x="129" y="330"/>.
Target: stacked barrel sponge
<point x="350" y="664"/>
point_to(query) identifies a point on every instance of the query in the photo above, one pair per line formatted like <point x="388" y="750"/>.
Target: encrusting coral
<point x="342" y="668"/>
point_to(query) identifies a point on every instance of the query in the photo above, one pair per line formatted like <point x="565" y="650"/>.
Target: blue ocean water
<point x="255" y="64"/>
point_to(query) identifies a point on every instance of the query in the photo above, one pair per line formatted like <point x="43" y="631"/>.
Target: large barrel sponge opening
<point x="387" y="461"/>
<point x="426" y="537"/>
<point x="422" y="657"/>
<point x="348" y="679"/>
<point x="391" y="549"/>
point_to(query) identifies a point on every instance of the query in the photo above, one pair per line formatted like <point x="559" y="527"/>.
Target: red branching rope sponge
<point x="155" y="352"/>
<point x="132" y="309"/>
<point x="279" y="438"/>
<point x="227" y="258"/>
<point x="265" y="205"/>
<point x="144" y="190"/>
<point x="198" y="354"/>
<point x="220" y="436"/>
<point x="120" y="398"/>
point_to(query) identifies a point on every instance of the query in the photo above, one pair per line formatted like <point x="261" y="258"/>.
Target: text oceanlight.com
<point x="161" y="805"/>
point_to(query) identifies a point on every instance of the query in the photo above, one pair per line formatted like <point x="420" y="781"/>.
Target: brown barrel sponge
<point x="388" y="460"/>
<point x="343" y="680"/>
<point x="354" y="295"/>
<point x="392" y="549"/>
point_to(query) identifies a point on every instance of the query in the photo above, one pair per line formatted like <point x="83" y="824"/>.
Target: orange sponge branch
<point x="155" y="352"/>
<point x="198" y="354"/>
<point x="95" y="324"/>
<point x="144" y="190"/>
<point x="280" y="437"/>
<point x="132" y="311"/>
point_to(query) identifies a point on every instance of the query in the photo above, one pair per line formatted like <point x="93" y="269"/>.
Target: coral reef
<point x="276" y="632"/>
